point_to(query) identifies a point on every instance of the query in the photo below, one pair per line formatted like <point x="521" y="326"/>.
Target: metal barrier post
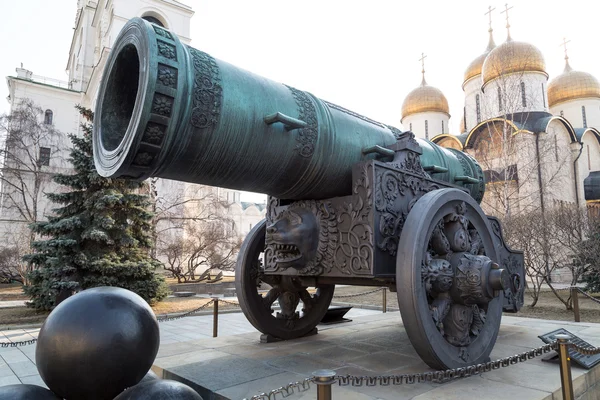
<point x="215" y="316"/>
<point x="384" y="300"/>
<point x="575" y="299"/>
<point x="566" y="381"/>
<point x="324" y="378"/>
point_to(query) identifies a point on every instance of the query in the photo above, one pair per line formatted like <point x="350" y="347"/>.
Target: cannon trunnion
<point x="351" y="200"/>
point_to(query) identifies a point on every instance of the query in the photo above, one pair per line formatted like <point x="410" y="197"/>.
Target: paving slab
<point x="371" y="345"/>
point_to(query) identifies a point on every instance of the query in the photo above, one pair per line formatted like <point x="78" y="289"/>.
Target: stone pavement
<point x="238" y="366"/>
<point x="17" y="364"/>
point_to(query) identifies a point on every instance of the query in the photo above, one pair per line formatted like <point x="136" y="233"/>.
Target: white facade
<point x="472" y="112"/>
<point x="581" y="113"/>
<point x="427" y="124"/>
<point x="97" y="25"/>
<point x="515" y="93"/>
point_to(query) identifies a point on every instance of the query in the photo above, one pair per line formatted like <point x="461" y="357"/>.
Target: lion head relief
<point x="303" y="237"/>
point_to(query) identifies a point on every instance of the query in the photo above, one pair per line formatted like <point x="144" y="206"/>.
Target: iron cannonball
<point x="26" y="392"/>
<point x="160" y="390"/>
<point x="97" y="343"/>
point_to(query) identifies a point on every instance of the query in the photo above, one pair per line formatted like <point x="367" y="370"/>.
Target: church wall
<point x="472" y="88"/>
<point x="572" y="111"/>
<point x="416" y="123"/>
<point x="557" y="164"/>
<point x="510" y="86"/>
<point x="588" y="161"/>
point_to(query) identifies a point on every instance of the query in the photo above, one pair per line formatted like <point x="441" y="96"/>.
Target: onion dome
<point x="572" y="85"/>
<point x="474" y="69"/>
<point x="425" y="98"/>
<point x="512" y="57"/>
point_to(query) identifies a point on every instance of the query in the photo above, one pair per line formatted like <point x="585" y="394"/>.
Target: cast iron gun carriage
<point x="351" y="200"/>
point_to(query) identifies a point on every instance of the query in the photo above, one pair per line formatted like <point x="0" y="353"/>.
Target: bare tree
<point x="194" y="231"/>
<point x="12" y="266"/>
<point x="29" y="141"/>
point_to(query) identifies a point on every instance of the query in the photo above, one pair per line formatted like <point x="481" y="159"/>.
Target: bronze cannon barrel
<point x="168" y="110"/>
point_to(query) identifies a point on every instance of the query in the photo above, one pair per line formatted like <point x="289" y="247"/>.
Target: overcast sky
<point x="363" y="55"/>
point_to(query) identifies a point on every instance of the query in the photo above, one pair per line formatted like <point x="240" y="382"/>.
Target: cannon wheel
<point x="418" y="305"/>
<point x="257" y="308"/>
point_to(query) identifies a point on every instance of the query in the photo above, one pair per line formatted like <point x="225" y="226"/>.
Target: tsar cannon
<point x="351" y="201"/>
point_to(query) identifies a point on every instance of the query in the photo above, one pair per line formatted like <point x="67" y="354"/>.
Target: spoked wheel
<point x="250" y="281"/>
<point x="449" y="286"/>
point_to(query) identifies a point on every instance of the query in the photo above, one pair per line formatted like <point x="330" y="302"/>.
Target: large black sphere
<point x="97" y="343"/>
<point x="26" y="392"/>
<point x="159" y="390"/>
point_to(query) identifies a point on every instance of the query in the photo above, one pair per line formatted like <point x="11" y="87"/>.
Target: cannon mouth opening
<point x="120" y="97"/>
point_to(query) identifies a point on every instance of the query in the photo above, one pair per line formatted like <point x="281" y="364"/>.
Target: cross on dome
<point x="422" y="59"/>
<point x="564" y="44"/>
<point x="506" y="8"/>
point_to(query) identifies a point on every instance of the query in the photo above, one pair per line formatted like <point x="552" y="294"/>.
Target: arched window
<point x="426" y="130"/>
<point x="48" y="117"/>
<point x="523" y="98"/>
<point x="478" y="108"/>
<point x="583" y="116"/>
<point x="499" y="99"/>
<point x="442" y="126"/>
<point x="410" y="127"/>
<point x="543" y="95"/>
<point x="153" y="20"/>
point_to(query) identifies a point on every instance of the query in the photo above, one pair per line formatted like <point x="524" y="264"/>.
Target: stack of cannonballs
<point x="99" y="345"/>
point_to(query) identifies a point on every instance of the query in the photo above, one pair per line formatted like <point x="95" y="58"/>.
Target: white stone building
<point x="552" y="125"/>
<point x="97" y="24"/>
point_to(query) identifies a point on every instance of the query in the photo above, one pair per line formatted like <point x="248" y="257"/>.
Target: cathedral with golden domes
<point x="537" y="139"/>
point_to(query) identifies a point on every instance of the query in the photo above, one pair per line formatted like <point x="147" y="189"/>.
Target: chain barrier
<point x="167" y="318"/>
<point x="285" y="391"/>
<point x="358" y="294"/>
<point x="229" y="302"/>
<point x="18" y="344"/>
<point x="586" y="351"/>
<point x="164" y="319"/>
<point x="437" y="376"/>
<point x="589" y="296"/>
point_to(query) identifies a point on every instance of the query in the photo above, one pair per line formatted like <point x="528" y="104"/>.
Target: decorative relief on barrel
<point x="306" y="137"/>
<point x="154" y="133"/>
<point x="162" y="105"/>
<point x="167" y="50"/>
<point x="167" y="76"/>
<point x="161" y="32"/>
<point x="207" y="94"/>
<point x="143" y="159"/>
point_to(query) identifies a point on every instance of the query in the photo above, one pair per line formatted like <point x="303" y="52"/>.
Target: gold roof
<point x="423" y="99"/>
<point x="512" y="57"/>
<point x="476" y="65"/>
<point x="571" y="85"/>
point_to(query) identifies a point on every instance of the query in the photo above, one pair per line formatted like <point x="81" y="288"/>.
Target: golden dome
<point x="476" y="65"/>
<point x="512" y="57"/>
<point x="571" y="85"/>
<point x="423" y="99"/>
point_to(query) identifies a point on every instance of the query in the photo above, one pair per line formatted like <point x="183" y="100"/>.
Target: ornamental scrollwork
<point x="207" y="93"/>
<point x="307" y="136"/>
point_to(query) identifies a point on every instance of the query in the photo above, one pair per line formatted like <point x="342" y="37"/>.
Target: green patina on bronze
<point x="172" y="111"/>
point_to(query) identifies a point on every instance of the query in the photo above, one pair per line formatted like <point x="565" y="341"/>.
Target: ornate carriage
<point x="351" y="201"/>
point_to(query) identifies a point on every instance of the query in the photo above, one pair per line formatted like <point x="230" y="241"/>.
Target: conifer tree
<point x="99" y="236"/>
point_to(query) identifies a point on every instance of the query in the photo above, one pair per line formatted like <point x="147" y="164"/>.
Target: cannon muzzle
<point x="168" y="110"/>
